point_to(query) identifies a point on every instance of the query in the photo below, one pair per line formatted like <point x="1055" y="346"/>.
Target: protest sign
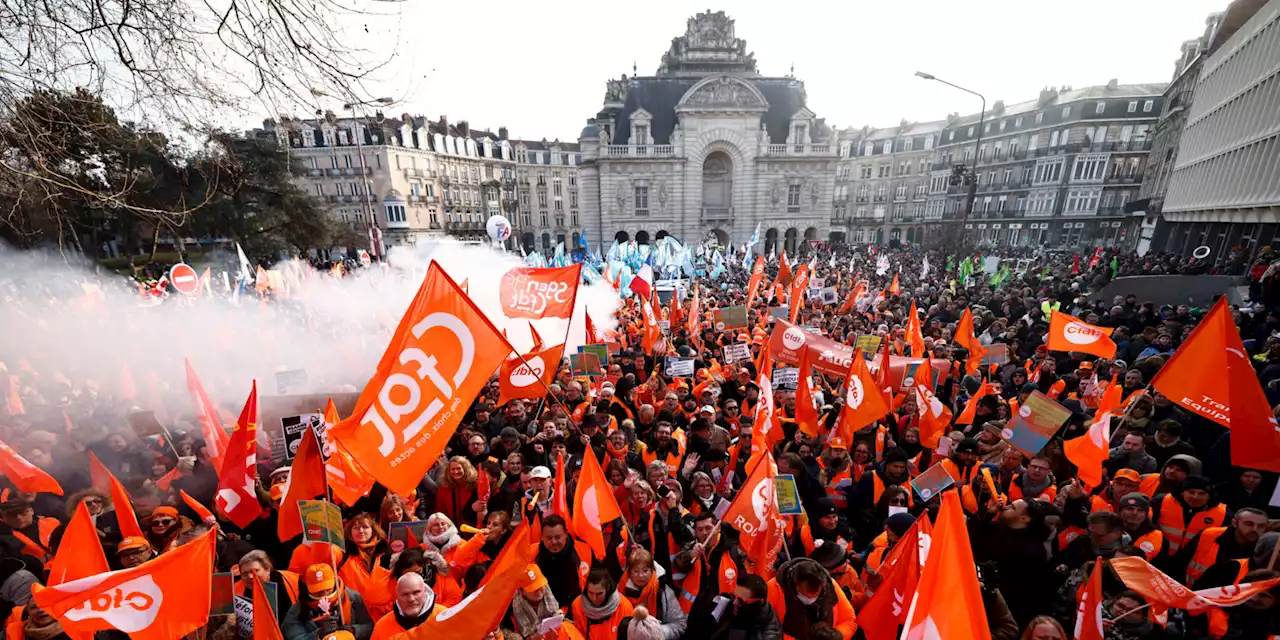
<point x="665" y="325"/>
<point x="732" y="317"/>
<point x="813" y="293"/>
<point x="786" y="378"/>
<point x="779" y="313"/>
<point x="601" y="350"/>
<point x="829" y="295"/>
<point x="1037" y="420"/>
<point x="221" y="594"/>
<point x="909" y="375"/>
<point x="321" y="521"/>
<point x="932" y="482"/>
<point x="406" y="535"/>
<point x="585" y="364"/>
<point x="833" y="358"/>
<point x="997" y="353"/>
<point x="295" y="426"/>
<point x="244" y="609"/>
<point x="677" y="367"/>
<point x="870" y="345"/>
<point x="291" y="381"/>
<point x="144" y="423"/>
<point x="736" y="352"/>
<point x="787" y="495"/>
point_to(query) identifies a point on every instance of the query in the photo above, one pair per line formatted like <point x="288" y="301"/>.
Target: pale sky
<point x="540" y="68"/>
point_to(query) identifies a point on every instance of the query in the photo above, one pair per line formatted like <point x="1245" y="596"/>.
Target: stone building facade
<point x="549" y="206"/>
<point x="883" y="185"/>
<point x="707" y="148"/>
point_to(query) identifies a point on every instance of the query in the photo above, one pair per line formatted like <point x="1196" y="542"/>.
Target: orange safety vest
<point x="1069" y="534"/>
<point x="1099" y="503"/>
<point x="602" y="629"/>
<point x="874" y="560"/>
<point x="672" y="459"/>
<point x="877" y="486"/>
<point x="1205" y="555"/>
<point x="837" y="487"/>
<point x="39" y="549"/>
<point x="1015" y="491"/>
<point x="954" y="469"/>
<point x="1177" y="530"/>
<point x="1150" y="543"/>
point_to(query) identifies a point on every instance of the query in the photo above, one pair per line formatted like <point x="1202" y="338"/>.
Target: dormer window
<point x="328" y="136"/>
<point x="342" y="137"/>
<point x="308" y="137"/>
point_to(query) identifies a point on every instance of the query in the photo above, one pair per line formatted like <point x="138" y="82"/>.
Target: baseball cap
<point x="540" y="472"/>
<point x="1085" y="366"/>
<point x="319" y="579"/>
<point x="837" y="443"/>
<point x="535" y="579"/>
<point x="132" y="543"/>
<point x="1135" y="499"/>
<point x="1127" y="474"/>
<point x="706" y="408"/>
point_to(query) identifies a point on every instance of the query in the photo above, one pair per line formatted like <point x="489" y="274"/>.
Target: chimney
<point x="502" y="133"/>
<point x="1047" y="95"/>
<point x="464" y="128"/>
<point x="444" y="124"/>
<point x="998" y="107"/>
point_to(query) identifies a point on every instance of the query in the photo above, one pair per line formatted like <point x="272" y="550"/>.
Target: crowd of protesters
<point x="1171" y="495"/>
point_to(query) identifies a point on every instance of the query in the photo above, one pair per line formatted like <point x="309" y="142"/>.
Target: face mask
<point x="805" y="600"/>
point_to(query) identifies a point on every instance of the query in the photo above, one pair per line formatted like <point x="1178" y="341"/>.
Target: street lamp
<point x="959" y="172"/>
<point x="375" y="232"/>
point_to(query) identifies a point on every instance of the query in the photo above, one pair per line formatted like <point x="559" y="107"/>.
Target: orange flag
<point x="765" y="431"/>
<point x="935" y="417"/>
<point x="784" y="270"/>
<point x="1068" y="333"/>
<point x="306" y="482"/>
<point x="237" y="497"/>
<point x="652" y="331"/>
<point x="894" y="289"/>
<point x="559" y="497"/>
<point x="539" y="292"/>
<point x="884" y="613"/>
<point x="948" y="601"/>
<point x="206" y="516"/>
<point x="971" y="407"/>
<point x="915" y="336"/>
<point x="882" y="376"/>
<point x="798" y="286"/>
<point x="160" y="599"/>
<point x="806" y="409"/>
<point x="347" y="479"/>
<point x="216" y="439"/>
<point x="594" y="504"/>
<point x="757" y="275"/>
<point x="1089" y="609"/>
<point x="27" y="477"/>
<point x="520" y="379"/>
<point x="80" y="553"/>
<point x="265" y="625"/>
<point x="592" y="337"/>
<point x="483" y="610"/>
<point x="119" y="497"/>
<point x="537" y="339"/>
<point x="1210" y="375"/>
<point x="1164" y="592"/>
<point x="13" y="399"/>
<point x="863" y="404"/>
<point x="1089" y="451"/>
<point x="754" y="514"/>
<point x="441" y="356"/>
<point x="694" y="324"/>
<point x="965" y="336"/>
<point x="674" y="313"/>
<point x="465" y="286"/>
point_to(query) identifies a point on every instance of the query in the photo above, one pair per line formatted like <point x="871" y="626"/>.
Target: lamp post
<point x="961" y="174"/>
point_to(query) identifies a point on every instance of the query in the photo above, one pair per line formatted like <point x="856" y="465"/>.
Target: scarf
<point x="445" y="541"/>
<point x="1030" y="490"/>
<point x="408" y="622"/>
<point x="800" y="617"/>
<point x="52" y="630"/>
<point x="646" y="595"/>
<point x="602" y="612"/>
<point x="616" y="454"/>
<point x="528" y="617"/>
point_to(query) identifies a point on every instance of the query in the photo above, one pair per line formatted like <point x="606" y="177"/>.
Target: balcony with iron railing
<point x="1125" y="178"/>
<point x="640" y="151"/>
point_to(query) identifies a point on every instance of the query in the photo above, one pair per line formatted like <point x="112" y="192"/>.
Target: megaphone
<point x="1201" y="252"/>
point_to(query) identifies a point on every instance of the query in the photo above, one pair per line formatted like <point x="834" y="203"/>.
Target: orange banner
<point x="531" y="292"/>
<point x="519" y="379"/>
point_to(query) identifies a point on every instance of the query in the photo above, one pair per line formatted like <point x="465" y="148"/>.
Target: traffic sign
<point x="364" y="258"/>
<point x="184" y="278"/>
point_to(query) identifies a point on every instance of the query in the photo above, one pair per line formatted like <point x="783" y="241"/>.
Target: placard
<point x="677" y="367"/>
<point x="997" y="353"/>
<point x="291" y="381"/>
<point x="932" y="482"/>
<point x="813" y="293"/>
<point x="786" y="378"/>
<point x="909" y="376"/>
<point x="787" y="495"/>
<point x="870" y="345"/>
<point x="295" y="426"/>
<point x="829" y="295"/>
<point x="665" y="325"/>
<point x="831" y="357"/>
<point x="144" y="423"/>
<point x="406" y="535"/>
<point x="1037" y="420"/>
<point x="736" y="352"/>
<point x="732" y="317"/>
<point x="585" y="364"/>
<point x="779" y="313"/>
<point x="321" y="521"/>
<point x="601" y="350"/>
<point x="244" y="609"/>
<point x="222" y="594"/>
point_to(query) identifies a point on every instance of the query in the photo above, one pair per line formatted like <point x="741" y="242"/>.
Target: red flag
<point x="642" y="283"/>
<point x="1090" y="451"/>
<point x="265" y="625"/>
<point x="347" y="479"/>
<point x="80" y="552"/>
<point x="948" y="601"/>
<point x="237" y="497"/>
<point x="1089" y="610"/>
<point x="413" y="403"/>
<point x="900" y="572"/>
<point x="559" y="499"/>
<point x="119" y="498"/>
<point x="1075" y="264"/>
<point x="592" y="336"/>
<point x="594" y="504"/>
<point x="306" y="482"/>
<point x="161" y="599"/>
<point x="1068" y="333"/>
<point x="754" y="514"/>
<point x="216" y="439"/>
<point x="27" y="477"/>
<point x="863" y="404"/>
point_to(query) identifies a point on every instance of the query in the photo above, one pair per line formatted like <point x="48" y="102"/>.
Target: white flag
<point x="246" y="272"/>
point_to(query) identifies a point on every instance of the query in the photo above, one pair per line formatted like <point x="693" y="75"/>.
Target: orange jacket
<point x="375" y="585"/>
<point x="387" y="627"/>
<point x="605" y="629"/>
<point x="844" y="619"/>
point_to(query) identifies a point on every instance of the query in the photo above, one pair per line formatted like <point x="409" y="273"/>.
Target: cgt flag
<point x="532" y="292"/>
<point x="441" y="356"/>
<point x="1068" y="333"/>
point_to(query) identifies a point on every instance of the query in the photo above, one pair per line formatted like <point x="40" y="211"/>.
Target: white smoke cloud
<point x="334" y="329"/>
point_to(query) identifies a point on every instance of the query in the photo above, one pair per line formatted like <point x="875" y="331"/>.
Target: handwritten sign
<point x="787" y="495"/>
<point x="295" y="426"/>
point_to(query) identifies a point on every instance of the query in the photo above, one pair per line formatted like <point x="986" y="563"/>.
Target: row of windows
<point x="526" y="219"/>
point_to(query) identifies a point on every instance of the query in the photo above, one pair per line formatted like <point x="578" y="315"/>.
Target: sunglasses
<point x="162" y="522"/>
<point x="93" y="500"/>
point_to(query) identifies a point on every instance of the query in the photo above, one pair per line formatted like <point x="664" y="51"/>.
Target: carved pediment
<point x="725" y="92"/>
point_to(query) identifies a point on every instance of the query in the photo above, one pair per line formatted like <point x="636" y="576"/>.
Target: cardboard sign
<point x="321" y="521"/>
<point x="601" y="350"/>
<point x="291" y="381"/>
<point x="932" y="482"/>
<point x="585" y="364"/>
<point x="404" y="535"/>
<point x="787" y="378"/>
<point x="736" y="352"/>
<point x="869" y="344"/>
<point x="222" y="595"/>
<point x="732" y="317"/>
<point x="295" y="426"/>
<point x="1037" y="420"/>
<point x="677" y="367"/>
<point x="787" y="495"/>
<point x="144" y="424"/>
<point x="997" y="353"/>
<point x="244" y="610"/>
